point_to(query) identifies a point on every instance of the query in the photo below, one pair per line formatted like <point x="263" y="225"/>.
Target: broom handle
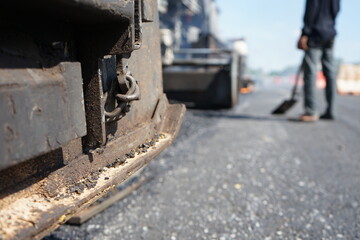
<point x="297" y="79"/>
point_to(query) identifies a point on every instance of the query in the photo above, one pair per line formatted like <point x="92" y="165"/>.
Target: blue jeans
<point x="320" y="50"/>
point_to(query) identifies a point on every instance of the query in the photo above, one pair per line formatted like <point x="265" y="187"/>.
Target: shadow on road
<point x="241" y="116"/>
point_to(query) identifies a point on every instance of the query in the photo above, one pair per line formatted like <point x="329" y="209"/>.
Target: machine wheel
<point x="225" y="92"/>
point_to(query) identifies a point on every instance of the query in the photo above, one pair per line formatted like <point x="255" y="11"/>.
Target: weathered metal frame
<point x="26" y="214"/>
<point x="27" y="98"/>
<point x="40" y="200"/>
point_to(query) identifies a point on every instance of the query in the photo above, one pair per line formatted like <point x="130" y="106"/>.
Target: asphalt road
<point x="244" y="174"/>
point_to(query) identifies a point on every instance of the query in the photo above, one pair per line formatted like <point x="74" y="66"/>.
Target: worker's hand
<point x="303" y="43"/>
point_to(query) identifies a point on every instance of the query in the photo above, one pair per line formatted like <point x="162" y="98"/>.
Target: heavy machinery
<point x="82" y="106"/>
<point x="199" y="69"/>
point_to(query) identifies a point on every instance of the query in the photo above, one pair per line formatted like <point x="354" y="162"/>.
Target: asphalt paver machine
<point x="82" y="106"/>
<point x="199" y="69"/>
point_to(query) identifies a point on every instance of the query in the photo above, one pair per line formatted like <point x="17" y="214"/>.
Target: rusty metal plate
<point x="41" y="110"/>
<point x="32" y="208"/>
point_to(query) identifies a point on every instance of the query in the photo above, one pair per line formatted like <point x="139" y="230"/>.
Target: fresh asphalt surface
<point x="244" y="174"/>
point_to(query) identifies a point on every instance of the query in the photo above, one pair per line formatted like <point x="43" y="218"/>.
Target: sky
<point x="272" y="28"/>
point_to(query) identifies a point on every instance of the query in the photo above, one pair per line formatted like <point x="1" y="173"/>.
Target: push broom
<point x="287" y="104"/>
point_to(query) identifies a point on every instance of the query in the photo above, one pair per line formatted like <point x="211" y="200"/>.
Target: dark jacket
<point x="319" y="19"/>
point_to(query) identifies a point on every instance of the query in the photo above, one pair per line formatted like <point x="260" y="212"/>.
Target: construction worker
<point x="317" y="40"/>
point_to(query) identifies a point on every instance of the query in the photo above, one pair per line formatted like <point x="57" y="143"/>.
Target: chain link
<point x="122" y="101"/>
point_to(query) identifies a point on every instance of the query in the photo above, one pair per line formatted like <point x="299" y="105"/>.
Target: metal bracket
<point x="119" y="90"/>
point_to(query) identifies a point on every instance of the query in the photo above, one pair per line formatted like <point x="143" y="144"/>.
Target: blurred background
<point x="272" y="29"/>
<point x="269" y="31"/>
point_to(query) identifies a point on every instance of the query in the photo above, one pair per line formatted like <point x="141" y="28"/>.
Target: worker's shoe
<point x="305" y="118"/>
<point x="308" y="118"/>
<point x="327" y="116"/>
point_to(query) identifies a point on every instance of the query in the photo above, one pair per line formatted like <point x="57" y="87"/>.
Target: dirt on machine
<point x="82" y="106"/>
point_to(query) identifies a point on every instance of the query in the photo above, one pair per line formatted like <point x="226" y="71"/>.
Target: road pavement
<point x="244" y="174"/>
